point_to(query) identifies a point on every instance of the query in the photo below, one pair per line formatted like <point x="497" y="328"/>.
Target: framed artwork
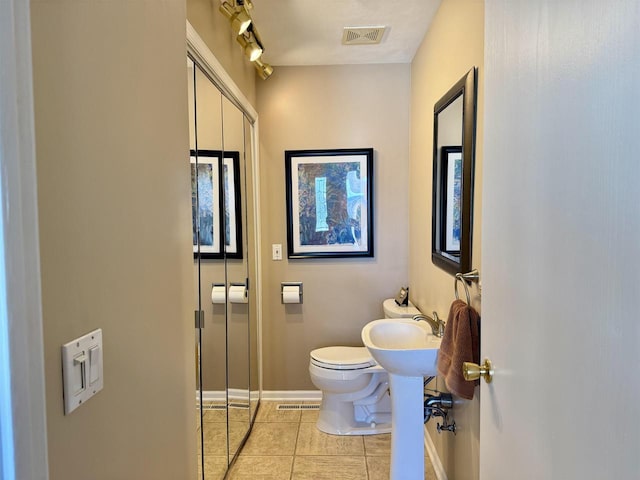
<point x="451" y="158"/>
<point x="215" y="204"/>
<point x="329" y="203"/>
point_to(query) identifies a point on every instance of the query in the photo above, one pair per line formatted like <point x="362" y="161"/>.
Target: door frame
<point x="23" y="445"/>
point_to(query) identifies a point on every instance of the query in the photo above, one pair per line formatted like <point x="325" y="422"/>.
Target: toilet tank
<point x="393" y="310"/>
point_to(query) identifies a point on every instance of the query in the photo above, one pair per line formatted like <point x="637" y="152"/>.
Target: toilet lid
<point x="343" y="358"/>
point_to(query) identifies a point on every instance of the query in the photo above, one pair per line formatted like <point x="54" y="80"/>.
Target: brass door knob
<point x="472" y="371"/>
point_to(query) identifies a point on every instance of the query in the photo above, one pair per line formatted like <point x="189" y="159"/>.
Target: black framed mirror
<point x="454" y="132"/>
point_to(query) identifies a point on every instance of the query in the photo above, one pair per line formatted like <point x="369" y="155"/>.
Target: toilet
<point x="355" y="389"/>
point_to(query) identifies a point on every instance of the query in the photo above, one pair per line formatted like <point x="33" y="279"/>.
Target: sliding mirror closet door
<point x="239" y="285"/>
<point x="209" y="269"/>
<point x="222" y="146"/>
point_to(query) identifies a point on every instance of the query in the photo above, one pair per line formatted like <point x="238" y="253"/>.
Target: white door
<point x="561" y="240"/>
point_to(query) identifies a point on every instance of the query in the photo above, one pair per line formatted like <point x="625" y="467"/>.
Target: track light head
<point x="237" y="16"/>
<point x="252" y="49"/>
<point x="240" y="22"/>
<point x="264" y="69"/>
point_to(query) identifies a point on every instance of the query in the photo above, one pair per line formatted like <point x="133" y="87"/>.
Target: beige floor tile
<point x="379" y="467"/>
<point x="268" y="413"/>
<point x="215" y="439"/>
<point x="312" y="441"/>
<point x="377" y="444"/>
<point x="214" y="466"/>
<point x="253" y="407"/>
<point x="237" y="432"/>
<point x="271" y="439"/>
<point x="310" y="415"/>
<point x="216" y="415"/>
<point x="329" y="468"/>
<point x="266" y="468"/>
<point x="239" y="414"/>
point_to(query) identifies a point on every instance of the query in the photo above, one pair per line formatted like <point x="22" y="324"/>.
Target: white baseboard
<point x="291" y="395"/>
<point x="433" y="455"/>
<point x="272" y="395"/>
<point x="221" y="395"/>
<point x="238" y="394"/>
<point x="254" y="395"/>
<point x="212" y="396"/>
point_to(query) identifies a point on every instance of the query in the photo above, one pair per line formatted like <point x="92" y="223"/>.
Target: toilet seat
<point x="342" y="358"/>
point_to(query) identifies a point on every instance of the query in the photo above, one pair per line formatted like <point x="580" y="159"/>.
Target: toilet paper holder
<point x="218" y="293"/>
<point x="290" y="284"/>
<point x="240" y="288"/>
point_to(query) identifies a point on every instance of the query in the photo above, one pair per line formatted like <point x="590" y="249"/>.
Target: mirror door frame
<point x="465" y="87"/>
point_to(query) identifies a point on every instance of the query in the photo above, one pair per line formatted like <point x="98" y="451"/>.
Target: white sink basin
<point x="408" y="351"/>
<point x="402" y="347"/>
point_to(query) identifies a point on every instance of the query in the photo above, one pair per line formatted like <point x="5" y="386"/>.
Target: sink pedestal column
<point x="407" y="427"/>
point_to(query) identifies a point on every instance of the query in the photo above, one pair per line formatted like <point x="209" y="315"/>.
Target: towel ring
<point x="464" y="284"/>
<point x="466" y="279"/>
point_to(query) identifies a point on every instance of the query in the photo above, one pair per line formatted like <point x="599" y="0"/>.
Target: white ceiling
<point x="309" y="32"/>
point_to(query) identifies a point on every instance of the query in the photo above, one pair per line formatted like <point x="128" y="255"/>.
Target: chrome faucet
<point x="437" y="325"/>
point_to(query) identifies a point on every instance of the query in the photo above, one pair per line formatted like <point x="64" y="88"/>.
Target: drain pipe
<point x="439" y="406"/>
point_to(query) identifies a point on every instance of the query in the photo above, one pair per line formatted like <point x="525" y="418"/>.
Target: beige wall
<point x="114" y="208"/>
<point x="453" y="44"/>
<point x="324" y="108"/>
<point x="214" y="29"/>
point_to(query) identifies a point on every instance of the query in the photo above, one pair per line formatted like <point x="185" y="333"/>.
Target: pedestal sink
<point x="408" y="351"/>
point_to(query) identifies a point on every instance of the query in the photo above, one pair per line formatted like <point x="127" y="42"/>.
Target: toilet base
<point x="336" y="417"/>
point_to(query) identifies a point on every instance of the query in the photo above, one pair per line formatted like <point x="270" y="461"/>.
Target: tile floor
<point x="215" y="433"/>
<point x="286" y="445"/>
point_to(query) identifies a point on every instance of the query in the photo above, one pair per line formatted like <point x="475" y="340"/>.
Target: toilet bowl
<point x="355" y="389"/>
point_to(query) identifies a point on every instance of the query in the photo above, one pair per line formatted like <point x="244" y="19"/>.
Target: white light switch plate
<point x="82" y="369"/>
<point x="276" y="250"/>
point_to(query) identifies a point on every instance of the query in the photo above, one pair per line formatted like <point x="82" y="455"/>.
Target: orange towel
<point x="461" y="343"/>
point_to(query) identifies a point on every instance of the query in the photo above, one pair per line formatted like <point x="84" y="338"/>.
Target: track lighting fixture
<point x="237" y="15"/>
<point x="264" y="69"/>
<point x="237" y="12"/>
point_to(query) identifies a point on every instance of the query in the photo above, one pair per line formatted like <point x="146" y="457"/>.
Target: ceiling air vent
<point x="362" y="35"/>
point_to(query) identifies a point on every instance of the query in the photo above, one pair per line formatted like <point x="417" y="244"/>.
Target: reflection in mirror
<point x="453" y="172"/>
<point x="216" y="179"/>
<point x="191" y="86"/>
<point x="234" y="202"/>
<point x="208" y="124"/>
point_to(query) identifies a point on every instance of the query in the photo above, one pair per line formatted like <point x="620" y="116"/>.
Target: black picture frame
<point x="450" y="199"/>
<point x="220" y="235"/>
<point x="329" y="195"/>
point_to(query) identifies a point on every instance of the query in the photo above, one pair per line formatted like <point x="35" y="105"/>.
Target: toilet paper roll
<point x="237" y="294"/>
<point x="291" y="294"/>
<point x="218" y="294"/>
